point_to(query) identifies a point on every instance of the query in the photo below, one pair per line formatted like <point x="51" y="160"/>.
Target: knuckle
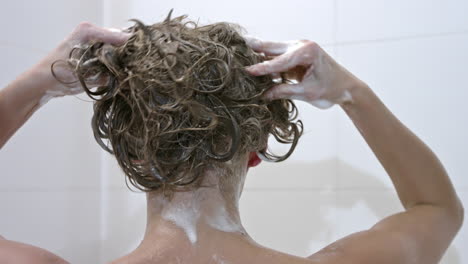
<point x="285" y="90"/>
<point x="85" y="25"/>
<point x="275" y="94"/>
<point x="311" y="96"/>
<point x="267" y="66"/>
<point x="282" y="91"/>
<point x="264" y="67"/>
<point x="309" y="50"/>
<point x="307" y="42"/>
<point x="312" y="45"/>
<point x="258" y="44"/>
<point x="84" y="31"/>
<point x="285" y="94"/>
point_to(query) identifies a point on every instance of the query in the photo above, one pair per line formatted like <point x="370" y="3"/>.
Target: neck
<point x="190" y="216"/>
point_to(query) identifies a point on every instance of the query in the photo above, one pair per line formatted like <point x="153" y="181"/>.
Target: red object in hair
<point x="254" y="160"/>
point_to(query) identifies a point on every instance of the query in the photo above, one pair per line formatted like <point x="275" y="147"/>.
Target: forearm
<point x="416" y="172"/>
<point x="19" y="100"/>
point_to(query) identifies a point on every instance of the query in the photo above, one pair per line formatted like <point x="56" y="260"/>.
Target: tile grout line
<point x="104" y="173"/>
<point x="255" y="189"/>
<point x="335" y="117"/>
<point x="324" y="189"/>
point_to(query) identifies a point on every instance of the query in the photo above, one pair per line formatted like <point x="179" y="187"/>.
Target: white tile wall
<point x="359" y="20"/>
<point x="23" y="58"/>
<point x="124" y="218"/>
<point x="264" y="19"/>
<point x="64" y="222"/>
<point x="53" y="142"/>
<point x="41" y="25"/>
<point x="423" y="82"/>
<point x="296" y="222"/>
<point x="293" y="175"/>
<point x="49" y="196"/>
<point x="318" y="141"/>
<point x="54" y="150"/>
<point x="357" y="210"/>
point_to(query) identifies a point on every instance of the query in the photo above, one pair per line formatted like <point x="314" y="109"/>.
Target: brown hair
<point x="177" y="99"/>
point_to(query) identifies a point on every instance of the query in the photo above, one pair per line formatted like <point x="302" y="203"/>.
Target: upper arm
<point x="19" y="253"/>
<point x="419" y="235"/>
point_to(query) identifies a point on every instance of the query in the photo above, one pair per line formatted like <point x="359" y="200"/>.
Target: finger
<point x="284" y="91"/>
<point x="112" y="36"/>
<point x="282" y="63"/>
<point x="268" y="47"/>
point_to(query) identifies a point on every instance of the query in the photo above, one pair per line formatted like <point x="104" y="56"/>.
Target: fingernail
<point x="252" y="41"/>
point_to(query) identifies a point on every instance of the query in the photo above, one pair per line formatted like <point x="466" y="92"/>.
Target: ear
<point x="254" y="160"/>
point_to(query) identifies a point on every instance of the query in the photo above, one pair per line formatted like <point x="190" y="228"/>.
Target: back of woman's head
<point x="178" y="101"/>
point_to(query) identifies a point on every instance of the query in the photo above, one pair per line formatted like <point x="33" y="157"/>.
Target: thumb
<point x="284" y="91"/>
<point x="107" y="35"/>
<point x="116" y="36"/>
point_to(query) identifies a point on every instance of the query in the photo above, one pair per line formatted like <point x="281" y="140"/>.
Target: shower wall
<point x="60" y="192"/>
<point x="50" y="169"/>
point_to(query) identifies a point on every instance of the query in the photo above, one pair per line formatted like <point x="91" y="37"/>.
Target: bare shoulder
<point x="19" y="253"/>
<point x="260" y="254"/>
<point x="419" y="235"/>
<point x="363" y="247"/>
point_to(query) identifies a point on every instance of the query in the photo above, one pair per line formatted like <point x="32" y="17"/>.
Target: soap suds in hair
<point x="178" y="98"/>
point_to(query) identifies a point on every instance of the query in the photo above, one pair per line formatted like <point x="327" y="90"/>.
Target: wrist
<point x="44" y="82"/>
<point x="357" y="94"/>
<point x="42" y="75"/>
<point x="31" y="86"/>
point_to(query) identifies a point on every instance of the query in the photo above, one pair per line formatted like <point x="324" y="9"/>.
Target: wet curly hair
<point x="177" y="100"/>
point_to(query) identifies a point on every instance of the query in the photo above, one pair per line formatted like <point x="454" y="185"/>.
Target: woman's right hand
<point x="319" y="79"/>
<point x="83" y="34"/>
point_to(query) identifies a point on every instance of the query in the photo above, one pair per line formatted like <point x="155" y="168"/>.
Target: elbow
<point x="451" y="211"/>
<point x="460" y="213"/>
<point x="456" y="213"/>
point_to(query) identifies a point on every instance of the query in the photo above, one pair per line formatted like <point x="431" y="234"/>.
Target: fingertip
<point x="253" y="42"/>
<point x="126" y="35"/>
<point x="122" y="37"/>
<point x="117" y="36"/>
<point x="253" y="70"/>
<point x="269" y="95"/>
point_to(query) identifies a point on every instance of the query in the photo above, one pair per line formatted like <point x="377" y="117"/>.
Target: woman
<point x="167" y="104"/>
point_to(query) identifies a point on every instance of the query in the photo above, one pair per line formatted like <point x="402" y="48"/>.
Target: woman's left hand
<point x="319" y="79"/>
